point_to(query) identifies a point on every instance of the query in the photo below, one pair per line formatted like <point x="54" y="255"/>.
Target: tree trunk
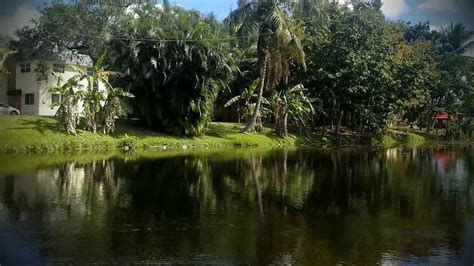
<point x="67" y="117"/>
<point x="338" y="123"/>
<point x="251" y="123"/>
<point x="281" y="121"/>
<point x="238" y="115"/>
<point x="256" y="174"/>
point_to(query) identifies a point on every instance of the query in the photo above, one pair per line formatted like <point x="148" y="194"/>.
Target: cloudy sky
<point x="15" y="13"/>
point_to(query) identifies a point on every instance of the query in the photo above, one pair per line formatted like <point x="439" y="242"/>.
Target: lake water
<point x="241" y="207"/>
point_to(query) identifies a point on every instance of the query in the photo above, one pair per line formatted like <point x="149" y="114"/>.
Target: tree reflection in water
<point x="303" y="206"/>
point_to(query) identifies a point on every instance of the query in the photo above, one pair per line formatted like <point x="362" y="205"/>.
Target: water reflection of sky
<point x="20" y="243"/>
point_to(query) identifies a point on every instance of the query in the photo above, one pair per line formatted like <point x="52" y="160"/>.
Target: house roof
<point x="445" y="116"/>
<point x="69" y="58"/>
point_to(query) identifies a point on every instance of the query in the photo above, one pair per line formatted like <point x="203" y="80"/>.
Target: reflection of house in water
<point x="444" y="159"/>
<point x="21" y="189"/>
<point x="448" y="162"/>
<point x="397" y="153"/>
<point x="51" y="200"/>
<point x="20" y="241"/>
<point x="66" y="187"/>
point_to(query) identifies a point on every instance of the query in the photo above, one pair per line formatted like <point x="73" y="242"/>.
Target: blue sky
<point x="15" y="13"/>
<point x="219" y="7"/>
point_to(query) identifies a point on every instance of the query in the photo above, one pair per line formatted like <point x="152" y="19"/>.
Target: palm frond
<point x="237" y="17"/>
<point x="253" y="86"/>
<point x="297" y="88"/>
<point x="233" y="101"/>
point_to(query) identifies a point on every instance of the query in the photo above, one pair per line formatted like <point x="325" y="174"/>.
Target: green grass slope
<point x="40" y="135"/>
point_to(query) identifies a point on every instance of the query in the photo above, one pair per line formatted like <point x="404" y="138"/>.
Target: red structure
<point x="442" y="118"/>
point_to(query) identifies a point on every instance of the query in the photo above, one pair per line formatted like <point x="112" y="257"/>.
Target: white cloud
<point x="345" y="2"/>
<point x="440" y="5"/>
<point x="22" y="17"/>
<point x="393" y="8"/>
<point x="470" y="53"/>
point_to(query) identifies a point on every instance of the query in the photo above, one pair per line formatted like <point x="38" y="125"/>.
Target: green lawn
<point x="33" y="134"/>
<point x="40" y="135"/>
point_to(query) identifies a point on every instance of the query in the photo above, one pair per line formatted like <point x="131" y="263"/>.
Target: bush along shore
<point x="27" y="134"/>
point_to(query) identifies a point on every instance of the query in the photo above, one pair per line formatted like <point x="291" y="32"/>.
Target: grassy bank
<point x="394" y="138"/>
<point x="40" y="135"/>
<point x="28" y="134"/>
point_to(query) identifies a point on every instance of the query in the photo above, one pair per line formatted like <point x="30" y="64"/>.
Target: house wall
<point x="44" y="89"/>
<point x="27" y="82"/>
<point x="3" y="89"/>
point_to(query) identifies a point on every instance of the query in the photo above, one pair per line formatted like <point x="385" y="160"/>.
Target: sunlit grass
<point x="40" y="135"/>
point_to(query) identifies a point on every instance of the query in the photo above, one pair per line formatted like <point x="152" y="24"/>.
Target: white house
<point x="27" y="86"/>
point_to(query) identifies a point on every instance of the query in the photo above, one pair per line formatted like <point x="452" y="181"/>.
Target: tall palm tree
<point x="277" y="43"/>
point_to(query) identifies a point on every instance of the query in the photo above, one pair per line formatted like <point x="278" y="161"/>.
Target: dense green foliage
<point x="366" y="73"/>
<point x="177" y="76"/>
<point x="278" y="43"/>
<point x="350" y="76"/>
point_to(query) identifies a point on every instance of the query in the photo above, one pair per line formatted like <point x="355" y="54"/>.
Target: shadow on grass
<point x="222" y="130"/>
<point x="41" y="125"/>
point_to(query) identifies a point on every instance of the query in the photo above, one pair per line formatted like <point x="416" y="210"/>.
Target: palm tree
<point x="277" y="43"/>
<point x="456" y="39"/>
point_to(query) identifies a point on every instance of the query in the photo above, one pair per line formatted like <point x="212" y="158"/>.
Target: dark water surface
<point x="244" y="207"/>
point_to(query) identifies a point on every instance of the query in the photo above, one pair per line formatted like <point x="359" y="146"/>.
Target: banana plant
<point x="295" y="107"/>
<point x="100" y="100"/>
<point x="246" y="101"/>
<point x="101" y="104"/>
<point x="68" y="112"/>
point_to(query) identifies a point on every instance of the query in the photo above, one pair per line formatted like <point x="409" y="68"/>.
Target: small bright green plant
<point x="128" y="143"/>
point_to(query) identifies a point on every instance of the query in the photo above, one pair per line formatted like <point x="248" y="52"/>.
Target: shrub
<point x="128" y="143"/>
<point x="414" y="140"/>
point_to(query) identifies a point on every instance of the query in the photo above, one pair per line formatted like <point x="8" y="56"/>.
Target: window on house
<point x="59" y="68"/>
<point x="29" y="98"/>
<point x="25" y="67"/>
<point x="55" y="98"/>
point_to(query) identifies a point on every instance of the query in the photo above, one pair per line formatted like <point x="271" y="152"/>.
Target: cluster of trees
<point x="295" y="63"/>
